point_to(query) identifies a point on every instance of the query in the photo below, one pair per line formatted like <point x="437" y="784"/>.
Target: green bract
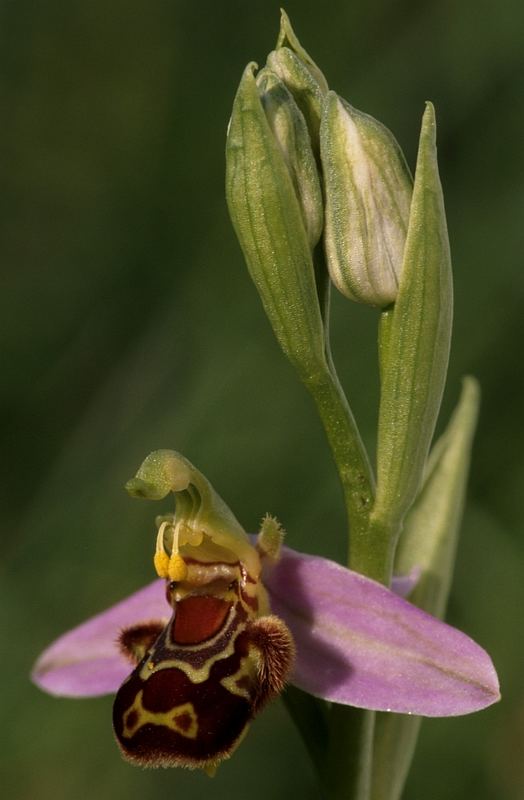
<point x="368" y="195"/>
<point x="428" y="544"/>
<point x="415" y="340"/>
<point x="429" y="539"/>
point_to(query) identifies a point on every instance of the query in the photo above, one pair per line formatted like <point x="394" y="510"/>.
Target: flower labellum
<point x="200" y="679"/>
<point x="209" y="653"/>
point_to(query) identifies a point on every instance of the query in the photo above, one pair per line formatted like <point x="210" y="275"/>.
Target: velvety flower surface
<point x="357" y="642"/>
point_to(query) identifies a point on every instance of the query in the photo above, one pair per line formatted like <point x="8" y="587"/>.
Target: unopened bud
<point x="276" y="212"/>
<point x="290" y="131"/>
<point x="368" y="190"/>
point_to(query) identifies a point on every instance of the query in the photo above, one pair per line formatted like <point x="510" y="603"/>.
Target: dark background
<point x="130" y="323"/>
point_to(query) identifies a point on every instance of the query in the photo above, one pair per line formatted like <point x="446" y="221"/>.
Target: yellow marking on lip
<point x="199" y="674"/>
<point x="247" y="669"/>
<point x="137" y="716"/>
<point x="195" y="674"/>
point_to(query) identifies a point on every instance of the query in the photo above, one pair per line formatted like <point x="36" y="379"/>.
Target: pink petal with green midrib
<point x="360" y="644"/>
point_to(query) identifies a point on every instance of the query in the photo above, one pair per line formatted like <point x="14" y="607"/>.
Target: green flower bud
<point x="368" y="190"/>
<point x="290" y="132"/>
<point x="275" y="208"/>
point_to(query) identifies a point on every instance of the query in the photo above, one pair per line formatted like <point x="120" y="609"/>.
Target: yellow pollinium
<point x="177" y="568"/>
<point x="161" y="562"/>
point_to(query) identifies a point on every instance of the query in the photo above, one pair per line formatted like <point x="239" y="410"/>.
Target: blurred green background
<point x="130" y="323"/>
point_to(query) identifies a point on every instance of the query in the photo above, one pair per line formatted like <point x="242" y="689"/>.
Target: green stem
<point x="368" y="549"/>
<point x="370" y="545"/>
<point x="346" y="768"/>
<point x="347" y="774"/>
<point x="311" y="718"/>
<point x="373" y="554"/>
<point x="347" y="448"/>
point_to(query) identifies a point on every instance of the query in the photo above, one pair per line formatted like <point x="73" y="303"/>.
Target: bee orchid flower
<point x="232" y="618"/>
